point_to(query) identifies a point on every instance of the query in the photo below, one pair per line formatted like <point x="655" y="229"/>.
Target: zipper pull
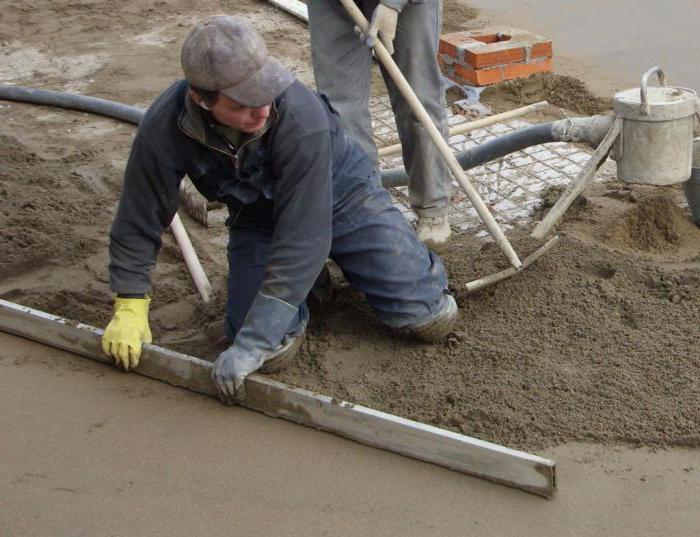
<point x="236" y="162"/>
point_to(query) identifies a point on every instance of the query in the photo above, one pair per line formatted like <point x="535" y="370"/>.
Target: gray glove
<point x="230" y="370"/>
<point x="231" y="367"/>
<point x="261" y="338"/>
<point x="384" y="21"/>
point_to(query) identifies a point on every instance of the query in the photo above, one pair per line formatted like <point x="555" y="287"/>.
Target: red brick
<point x="492" y="55"/>
<point x="487" y="58"/>
<point x="448" y="48"/>
<point x="479" y="77"/>
<point x="542" y="50"/>
<point x="523" y="70"/>
<point x="453" y="44"/>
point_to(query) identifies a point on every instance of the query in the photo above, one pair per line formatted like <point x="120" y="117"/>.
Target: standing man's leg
<point x="416" y="45"/>
<point x="342" y="68"/>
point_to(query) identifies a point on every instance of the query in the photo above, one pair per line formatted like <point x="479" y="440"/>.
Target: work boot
<point x="283" y="355"/>
<point x="439" y="326"/>
<point x="434" y="232"/>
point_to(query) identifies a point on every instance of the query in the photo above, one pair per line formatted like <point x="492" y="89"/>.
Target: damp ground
<point x="595" y="343"/>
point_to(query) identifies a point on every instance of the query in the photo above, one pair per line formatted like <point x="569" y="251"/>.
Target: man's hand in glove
<point x="126" y="331"/>
<point x="384" y="20"/>
<point x="230" y="370"/>
<point x="235" y="364"/>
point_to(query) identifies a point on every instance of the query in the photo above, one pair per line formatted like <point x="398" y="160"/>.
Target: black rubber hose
<point x="486" y="152"/>
<point x="470" y="158"/>
<point x="93" y="105"/>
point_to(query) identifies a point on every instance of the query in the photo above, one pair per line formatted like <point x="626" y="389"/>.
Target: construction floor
<point x="88" y="451"/>
<point x="590" y="357"/>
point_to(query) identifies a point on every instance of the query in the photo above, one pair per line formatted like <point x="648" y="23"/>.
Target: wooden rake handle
<point x="445" y="151"/>
<point x="578" y="185"/>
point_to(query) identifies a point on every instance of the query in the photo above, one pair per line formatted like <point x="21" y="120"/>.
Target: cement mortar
<point x="597" y="341"/>
<point x="89" y="451"/>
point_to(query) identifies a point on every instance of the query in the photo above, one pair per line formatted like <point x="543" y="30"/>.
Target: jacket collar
<point x="193" y="122"/>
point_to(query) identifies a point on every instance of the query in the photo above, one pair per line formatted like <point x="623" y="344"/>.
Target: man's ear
<point x="198" y="101"/>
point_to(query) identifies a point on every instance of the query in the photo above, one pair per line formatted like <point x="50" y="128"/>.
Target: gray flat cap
<point x="226" y="54"/>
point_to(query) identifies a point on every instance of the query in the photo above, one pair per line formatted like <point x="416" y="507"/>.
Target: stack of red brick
<point x="491" y="55"/>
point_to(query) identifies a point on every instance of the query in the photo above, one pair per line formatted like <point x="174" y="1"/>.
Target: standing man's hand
<point x="126" y="331"/>
<point x="384" y="21"/>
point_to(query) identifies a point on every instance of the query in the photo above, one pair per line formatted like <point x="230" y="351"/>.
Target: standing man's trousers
<point x="342" y="68"/>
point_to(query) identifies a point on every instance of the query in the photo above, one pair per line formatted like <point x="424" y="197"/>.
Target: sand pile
<point x="559" y="90"/>
<point x="655" y="224"/>
<point x="597" y="341"/>
<point x="40" y="199"/>
<point x="590" y="344"/>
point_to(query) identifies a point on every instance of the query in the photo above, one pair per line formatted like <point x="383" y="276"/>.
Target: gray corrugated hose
<point x="588" y="130"/>
<point x="103" y="107"/>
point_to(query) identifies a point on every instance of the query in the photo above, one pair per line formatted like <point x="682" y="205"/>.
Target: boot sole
<point x="282" y="362"/>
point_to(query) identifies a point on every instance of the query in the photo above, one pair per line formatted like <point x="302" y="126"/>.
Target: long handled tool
<point x="377" y="429"/>
<point x="199" y="277"/>
<point x="383" y="55"/>
<point x="476" y="124"/>
<point x="579" y="184"/>
<point x="444" y="149"/>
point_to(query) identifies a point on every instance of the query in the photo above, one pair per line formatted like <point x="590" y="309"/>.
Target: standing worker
<point x="298" y="189"/>
<point x="410" y="30"/>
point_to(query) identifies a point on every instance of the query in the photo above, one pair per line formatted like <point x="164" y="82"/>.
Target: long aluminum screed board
<point x="296" y="8"/>
<point x="371" y="427"/>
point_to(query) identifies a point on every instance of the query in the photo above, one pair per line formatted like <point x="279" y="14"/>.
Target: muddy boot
<point x="438" y="327"/>
<point x="283" y="355"/>
<point x="434" y="232"/>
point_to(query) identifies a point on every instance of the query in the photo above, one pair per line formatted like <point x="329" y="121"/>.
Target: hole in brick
<point x="492" y="38"/>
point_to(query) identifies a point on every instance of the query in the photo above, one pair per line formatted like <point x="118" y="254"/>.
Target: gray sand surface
<point x="85" y="450"/>
<point x="89" y="451"/>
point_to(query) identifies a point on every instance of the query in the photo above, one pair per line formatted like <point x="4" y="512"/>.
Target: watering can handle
<point x="645" y="83"/>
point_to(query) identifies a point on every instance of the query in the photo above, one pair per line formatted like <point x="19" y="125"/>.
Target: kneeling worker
<point x="298" y="190"/>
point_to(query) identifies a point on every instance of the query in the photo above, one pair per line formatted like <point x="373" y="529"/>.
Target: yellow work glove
<point x="384" y="21"/>
<point x="127" y="329"/>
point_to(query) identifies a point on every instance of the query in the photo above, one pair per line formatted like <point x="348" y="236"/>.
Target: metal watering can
<point x="656" y="144"/>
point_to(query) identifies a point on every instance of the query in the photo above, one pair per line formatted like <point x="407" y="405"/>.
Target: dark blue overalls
<point x="372" y="243"/>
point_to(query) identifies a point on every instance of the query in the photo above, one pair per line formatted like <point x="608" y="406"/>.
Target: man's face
<point x="243" y="118"/>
